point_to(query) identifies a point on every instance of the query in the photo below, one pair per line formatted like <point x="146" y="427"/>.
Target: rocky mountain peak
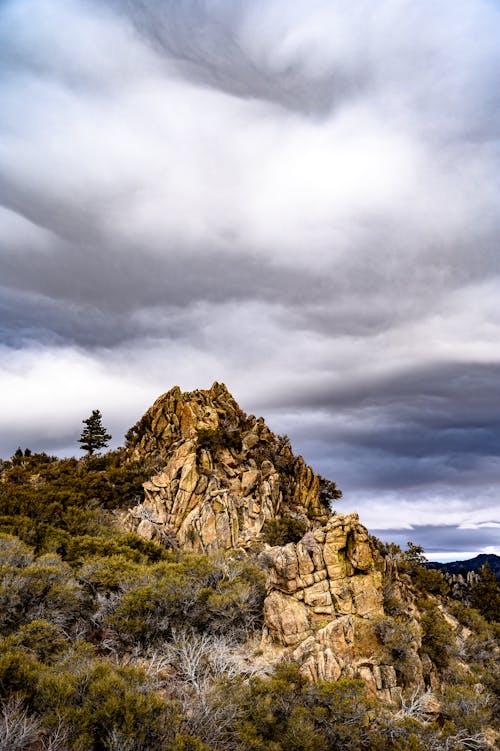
<point x="222" y="474"/>
<point x="223" y="481"/>
<point x="178" y="415"/>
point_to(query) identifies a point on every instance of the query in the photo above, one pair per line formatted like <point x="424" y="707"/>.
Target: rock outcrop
<point x="324" y="601"/>
<point x="331" y="572"/>
<point x="223" y="474"/>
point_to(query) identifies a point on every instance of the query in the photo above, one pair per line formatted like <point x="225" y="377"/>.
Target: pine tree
<point x="485" y="594"/>
<point x="94" y="436"/>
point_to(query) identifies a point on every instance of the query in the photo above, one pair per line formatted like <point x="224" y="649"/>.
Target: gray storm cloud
<point x="300" y="199"/>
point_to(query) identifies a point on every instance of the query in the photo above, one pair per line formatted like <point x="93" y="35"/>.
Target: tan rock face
<point x="325" y="598"/>
<point x="224" y="474"/>
<point x="337" y="576"/>
<point x="221" y="475"/>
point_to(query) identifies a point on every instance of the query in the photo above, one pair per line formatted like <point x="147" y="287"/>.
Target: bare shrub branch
<point x="18" y="729"/>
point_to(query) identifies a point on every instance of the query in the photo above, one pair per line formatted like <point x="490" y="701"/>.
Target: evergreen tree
<point x="414" y="556"/>
<point x="94" y="436"/>
<point x="485" y="594"/>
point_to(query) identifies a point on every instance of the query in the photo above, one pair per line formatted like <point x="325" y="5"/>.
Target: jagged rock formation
<point x="460" y="585"/>
<point x="224" y="475"/>
<point x="330" y="572"/>
<point x="325" y="597"/>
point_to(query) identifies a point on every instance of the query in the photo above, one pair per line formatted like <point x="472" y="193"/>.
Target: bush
<point x="468" y="707"/>
<point x="44" y="640"/>
<point x="284" y="712"/>
<point x="438" y="638"/>
<point x="400" y="639"/>
<point x="130" y="547"/>
<point x="47" y="500"/>
<point x="44" y="588"/>
<point x="468" y="617"/>
<point x="430" y="580"/>
<point x="283" y="530"/>
<point x="18" y="671"/>
<point x="194" y="591"/>
<point x="220" y="438"/>
<point x="485" y="594"/>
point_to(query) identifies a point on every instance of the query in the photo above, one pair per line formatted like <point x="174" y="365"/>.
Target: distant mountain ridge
<point x="472" y="564"/>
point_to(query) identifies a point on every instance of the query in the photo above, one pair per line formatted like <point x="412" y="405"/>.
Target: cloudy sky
<point x="296" y="197"/>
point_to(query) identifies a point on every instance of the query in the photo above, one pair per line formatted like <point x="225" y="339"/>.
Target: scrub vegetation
<point x="109" y="642"/>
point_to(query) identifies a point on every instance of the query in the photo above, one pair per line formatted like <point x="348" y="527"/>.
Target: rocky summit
<point x="222" y="474"/>
<point x="225" y="481"/>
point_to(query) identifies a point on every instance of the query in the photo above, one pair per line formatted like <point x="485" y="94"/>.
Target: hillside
<point x="198" y="591"/>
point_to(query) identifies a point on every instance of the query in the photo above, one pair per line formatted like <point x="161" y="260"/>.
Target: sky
<point x="299" y="198"/>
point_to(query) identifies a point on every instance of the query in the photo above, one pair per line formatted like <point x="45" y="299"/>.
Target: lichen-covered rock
<point x="223" y="475"/>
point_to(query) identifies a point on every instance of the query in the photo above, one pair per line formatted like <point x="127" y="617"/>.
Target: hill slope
<point x="336" y="603"/>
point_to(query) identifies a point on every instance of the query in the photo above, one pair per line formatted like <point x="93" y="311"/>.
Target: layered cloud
<point x="300" y="199"/>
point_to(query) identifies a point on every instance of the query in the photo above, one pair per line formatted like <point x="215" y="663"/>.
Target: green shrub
<point x="467" y="707"/>
<point x="18" y="671"/>
<point x="285" y="712"/>
<point x="45" y="500"/>
<point x="485" y="595"/>
<point x="13" y="553"/>
<point x="44" y="588"/>
<point x="184" y="742"/>
<point x="44" y="640"/>
<point x="98" y="702"/>
<point x="130" y="547"/>
<point x="438" y="637"/>
<point x="469" y="617"/>
<point x="430" y="580"/>
<point x="283" y="530"/>
<point x="189" y="590"/>
<point x="214" y="440"/>
<point x="400" y="638"/>
<point x="110" y="574"/>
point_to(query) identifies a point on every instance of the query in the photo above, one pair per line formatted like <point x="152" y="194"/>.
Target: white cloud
<point x="299" y="199"/>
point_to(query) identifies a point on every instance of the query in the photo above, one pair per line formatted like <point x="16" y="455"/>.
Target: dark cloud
<point x="444" y="539"/>
<point x="427" y="426"/>
<point x="91" y="296"/>
<point x="299" y="199"/>
<point x="209" y="46"/>
<point x="429" y="392"/>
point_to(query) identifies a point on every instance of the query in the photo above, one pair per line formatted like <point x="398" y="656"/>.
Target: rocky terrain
<point x="247" y="613"/>
<point x="222" y="476"/>
<point x="322" y="593"/>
